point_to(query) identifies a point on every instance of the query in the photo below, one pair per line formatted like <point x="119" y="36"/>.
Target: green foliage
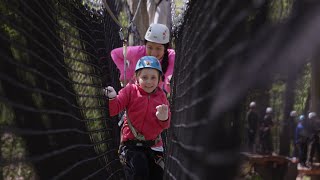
<point x="75" y="59"/>
<point x="247" y="172"/>
<point x="93" y="4"/>
<point x="13" y="147"/>
<point x="256" y="177"/>
<point x="280" y="9"/>
<point x="124" y="21"/>
<point x="179" y="5"/>
<point x="6" y="113"/>
<point x="18" y="54"/>
<point x="277" y="103"/>
<point x="276" y="99"/>
<point x="303" y="89"/>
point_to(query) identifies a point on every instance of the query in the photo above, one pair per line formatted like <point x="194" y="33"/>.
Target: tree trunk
<point x="288" y="106"/>
<point x="142" y="19"/>
<point x="307" y="104"/>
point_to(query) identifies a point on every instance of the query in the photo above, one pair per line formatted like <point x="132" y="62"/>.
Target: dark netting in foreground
<point x="223" y="49"/>
<point x="54" y="121"/>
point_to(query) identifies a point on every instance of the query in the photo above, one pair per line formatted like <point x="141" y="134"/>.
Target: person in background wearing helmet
<point x="265" y="132"/>
<point x="288" y="127"/>
<point x="157" y="45"/>
<point x="252" y="120"/>
<point x="301" y="142"/>
<point x="313" y="145"/>
<point x="148" y="114"/>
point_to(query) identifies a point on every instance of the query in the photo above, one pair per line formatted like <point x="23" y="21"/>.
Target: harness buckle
<point x="140" y="137"/>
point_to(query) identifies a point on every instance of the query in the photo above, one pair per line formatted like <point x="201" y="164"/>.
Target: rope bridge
<point x="54" y="121"/>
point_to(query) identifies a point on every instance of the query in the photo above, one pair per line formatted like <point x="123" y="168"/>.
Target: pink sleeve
<point x="134" y="53"/>
<point x="169" y="72"/>
<point x="117" y="57"/>
<point x="121" y="101"/>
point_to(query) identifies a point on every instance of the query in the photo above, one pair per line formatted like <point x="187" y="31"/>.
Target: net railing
<point x="54" y="121"/>
<point x="224" y="50"/>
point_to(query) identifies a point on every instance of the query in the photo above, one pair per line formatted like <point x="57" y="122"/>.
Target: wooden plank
<point x="263" y="159"/>
<point x="315" y="170"/>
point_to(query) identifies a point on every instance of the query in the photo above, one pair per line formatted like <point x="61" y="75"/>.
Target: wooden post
<point x="142" y="18"/>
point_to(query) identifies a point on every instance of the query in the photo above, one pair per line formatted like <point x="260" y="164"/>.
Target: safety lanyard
<point x="136" y="134"/>
<point x="125" y="62"/>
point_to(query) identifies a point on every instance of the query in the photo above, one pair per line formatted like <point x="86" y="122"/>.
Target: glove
<point x="110" y="92"/>
<point x="162" y="112"/>
<point x="169" y="79"/>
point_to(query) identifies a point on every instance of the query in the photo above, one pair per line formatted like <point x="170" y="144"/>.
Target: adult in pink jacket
<point x="157" y="45"/>
<point x="147" y="115"/>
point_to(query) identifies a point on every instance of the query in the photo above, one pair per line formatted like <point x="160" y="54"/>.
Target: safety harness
<point x="140" y="140"/>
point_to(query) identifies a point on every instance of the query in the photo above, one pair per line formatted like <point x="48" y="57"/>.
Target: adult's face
<point x="155" y="49"/>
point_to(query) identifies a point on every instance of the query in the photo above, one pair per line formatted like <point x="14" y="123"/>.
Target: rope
<point x="135" y="14"/>
<point x="125" y="62"/>
<point x="117" y="21"/>
<point x="124" y="39"/>
<point x="111" y="13"/>
<point x="136" y="134"/>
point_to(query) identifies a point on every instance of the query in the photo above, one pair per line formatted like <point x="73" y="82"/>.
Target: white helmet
<point x="293" y="113"/>
<point x="158" y="33"/>
<point x="312" y="115"/>
<point x="269" y="110"/>
<point x="252" y="104"/>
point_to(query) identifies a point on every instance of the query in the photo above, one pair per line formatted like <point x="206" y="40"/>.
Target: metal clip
<point x="121" y="34"/>
<point x="140" y="137"/>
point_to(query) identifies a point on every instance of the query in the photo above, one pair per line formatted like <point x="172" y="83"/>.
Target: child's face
<point x="155" y="49"/>
<point x="148" y="79"/>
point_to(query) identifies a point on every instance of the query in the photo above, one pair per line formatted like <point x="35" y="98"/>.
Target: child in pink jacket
<point x="147" y="115"/>
<point x="156" y="44"/>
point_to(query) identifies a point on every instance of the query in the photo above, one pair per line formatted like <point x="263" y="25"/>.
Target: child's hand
<point x="110" y="92"/>
<point x="162" y="112"/>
